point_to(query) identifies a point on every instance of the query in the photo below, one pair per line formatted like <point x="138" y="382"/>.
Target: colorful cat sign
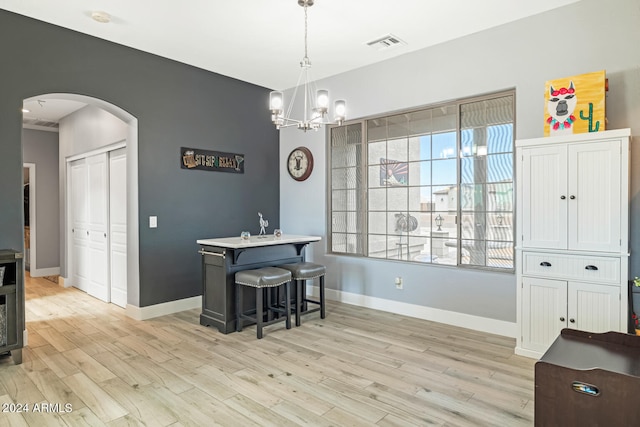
<point x="575" y="104"/>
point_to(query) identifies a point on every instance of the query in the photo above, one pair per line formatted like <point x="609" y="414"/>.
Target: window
<point x="433" y="185"/>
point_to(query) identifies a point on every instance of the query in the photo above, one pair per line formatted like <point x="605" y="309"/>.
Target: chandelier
<point x="316" y="102"/>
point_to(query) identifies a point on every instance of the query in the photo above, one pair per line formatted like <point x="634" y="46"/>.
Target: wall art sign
<point x="575" y="104"/>
<point x="196" y="159"/>
<point x="393" y="172"/>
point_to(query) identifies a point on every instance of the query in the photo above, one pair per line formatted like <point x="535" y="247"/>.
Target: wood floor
<point x="87" y="364"/>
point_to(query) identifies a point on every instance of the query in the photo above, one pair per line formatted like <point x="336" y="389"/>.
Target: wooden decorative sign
<point x="193" y="158"/>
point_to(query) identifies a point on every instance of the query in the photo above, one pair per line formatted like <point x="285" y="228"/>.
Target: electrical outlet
<point x="398" y="282"/>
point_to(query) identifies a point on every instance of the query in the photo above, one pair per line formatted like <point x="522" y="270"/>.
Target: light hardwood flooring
<point x="357" y="367"/>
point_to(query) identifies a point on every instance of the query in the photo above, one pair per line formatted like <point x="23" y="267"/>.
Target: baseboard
<point x="528" y="353"/>
<point x="162" y="309"/>
<point x="476" y="323"/>
<point x="41" y="272"/>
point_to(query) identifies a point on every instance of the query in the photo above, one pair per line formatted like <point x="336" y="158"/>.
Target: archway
<point x="131" y="147"/>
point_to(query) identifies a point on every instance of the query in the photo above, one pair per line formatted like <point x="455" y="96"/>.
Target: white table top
<point x="256" y="241"/>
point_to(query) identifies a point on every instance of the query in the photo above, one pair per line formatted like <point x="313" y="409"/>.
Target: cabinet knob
<point x="563" y="197"/>
<point x="572" y="197"/>
<point x="87" y="232"/>
<point x="572" y="320"/>
<point x="591" y="267"/>
<point x="545" y="264"/>
<point x="562" y="319"/>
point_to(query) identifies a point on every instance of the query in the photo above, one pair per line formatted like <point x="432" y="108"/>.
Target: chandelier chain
<point x="306" y="56"/>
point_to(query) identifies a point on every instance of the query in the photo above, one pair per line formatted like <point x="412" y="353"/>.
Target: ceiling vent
<point x="387" y="42"/>
<point x="39" y="123"/>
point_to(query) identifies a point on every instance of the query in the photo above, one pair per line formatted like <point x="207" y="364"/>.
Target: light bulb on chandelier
<point x="316" y="102"/>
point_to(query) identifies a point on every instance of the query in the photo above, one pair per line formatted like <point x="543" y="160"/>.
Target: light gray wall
<point x="41" y="148"/>
<point x="587" y="36"/>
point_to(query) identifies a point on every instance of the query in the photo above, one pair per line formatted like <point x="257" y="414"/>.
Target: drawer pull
<point x="545" y="264"/>
<point x="591" y="267"/>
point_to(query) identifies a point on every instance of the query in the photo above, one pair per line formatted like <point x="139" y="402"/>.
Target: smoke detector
<point x="386" y="42"/>
<point x="102" y="17"/>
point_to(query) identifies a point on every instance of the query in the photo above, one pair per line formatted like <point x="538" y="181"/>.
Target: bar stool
<point x="300" y="273"/>
<point x="263" y="279"/>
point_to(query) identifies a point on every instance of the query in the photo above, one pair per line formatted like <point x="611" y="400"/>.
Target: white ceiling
<point x="262" y="41"/>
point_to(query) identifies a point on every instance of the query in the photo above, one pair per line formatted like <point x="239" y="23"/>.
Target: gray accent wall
<point x="586" y="36"/>
<point x="176" y="105"/>
<point x="41" y="148"/>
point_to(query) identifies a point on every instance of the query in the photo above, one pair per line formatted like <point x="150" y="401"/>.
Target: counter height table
<point x="223" y="257"/>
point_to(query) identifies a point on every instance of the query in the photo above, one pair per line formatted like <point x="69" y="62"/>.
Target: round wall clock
<point x="300" y="163"/>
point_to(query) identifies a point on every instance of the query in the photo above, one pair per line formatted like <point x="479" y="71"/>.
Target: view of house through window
<point x="433" y="185"/>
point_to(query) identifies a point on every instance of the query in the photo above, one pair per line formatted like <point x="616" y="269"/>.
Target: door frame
<point x="32" y="215"/>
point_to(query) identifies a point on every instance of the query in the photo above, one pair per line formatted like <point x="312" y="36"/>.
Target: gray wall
<point x="590" y="35"/>
<point x="41" y="148"/>
<point x="176" y="105"/>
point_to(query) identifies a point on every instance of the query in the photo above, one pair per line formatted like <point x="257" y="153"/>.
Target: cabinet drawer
<point x="572" y="267"/>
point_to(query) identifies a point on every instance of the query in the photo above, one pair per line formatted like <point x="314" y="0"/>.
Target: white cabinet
<point x="551" y="305"/>
<point x="571" y="196"/>
<point x="572" y="236"/>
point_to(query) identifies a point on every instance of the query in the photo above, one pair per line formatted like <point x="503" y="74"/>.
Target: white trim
<point x="528" y="353"/>
<point x="32" y="214"/>
<point x="64" y="282"/>
<point x="41" y="272"/>
<point x="100" y="150"/>
<point x="162" y="309"/>
<point x="476" y="323"/>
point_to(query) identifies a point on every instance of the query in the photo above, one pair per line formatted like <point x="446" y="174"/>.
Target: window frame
<point x="362" y="214"/>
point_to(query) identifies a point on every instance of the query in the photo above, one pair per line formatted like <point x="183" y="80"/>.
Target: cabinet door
<point x="594" y="308"/>
<point x="544" y="308"/>
<point x="544" y="197"/>
<point x="594" y="196"/>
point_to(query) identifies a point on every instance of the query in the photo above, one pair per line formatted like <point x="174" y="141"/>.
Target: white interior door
<point x="118" y="225"/>
<point x="79" y="203"/>
<point x="98" y="210"/>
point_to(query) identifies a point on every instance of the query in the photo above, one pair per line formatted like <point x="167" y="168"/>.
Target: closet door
<point x="118" y="226"/>
<point x="98" y="196"/>
<point x="79" y="212"/>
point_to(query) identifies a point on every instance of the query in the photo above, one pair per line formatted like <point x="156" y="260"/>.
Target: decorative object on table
<point x="277" y="233"/>
<point x="575" y="104"/>
<point x="1" y="275"/>
<point x="404" y="224"/>
<point x="196" y="159"/>
<point x="245" y="235"/>
<point x="300" y="163"/>
<point x="317" y="104"/>
<point x="264" y="223"/>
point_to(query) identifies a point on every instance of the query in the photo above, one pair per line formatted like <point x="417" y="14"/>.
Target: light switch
<point x="153" y="222"/>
